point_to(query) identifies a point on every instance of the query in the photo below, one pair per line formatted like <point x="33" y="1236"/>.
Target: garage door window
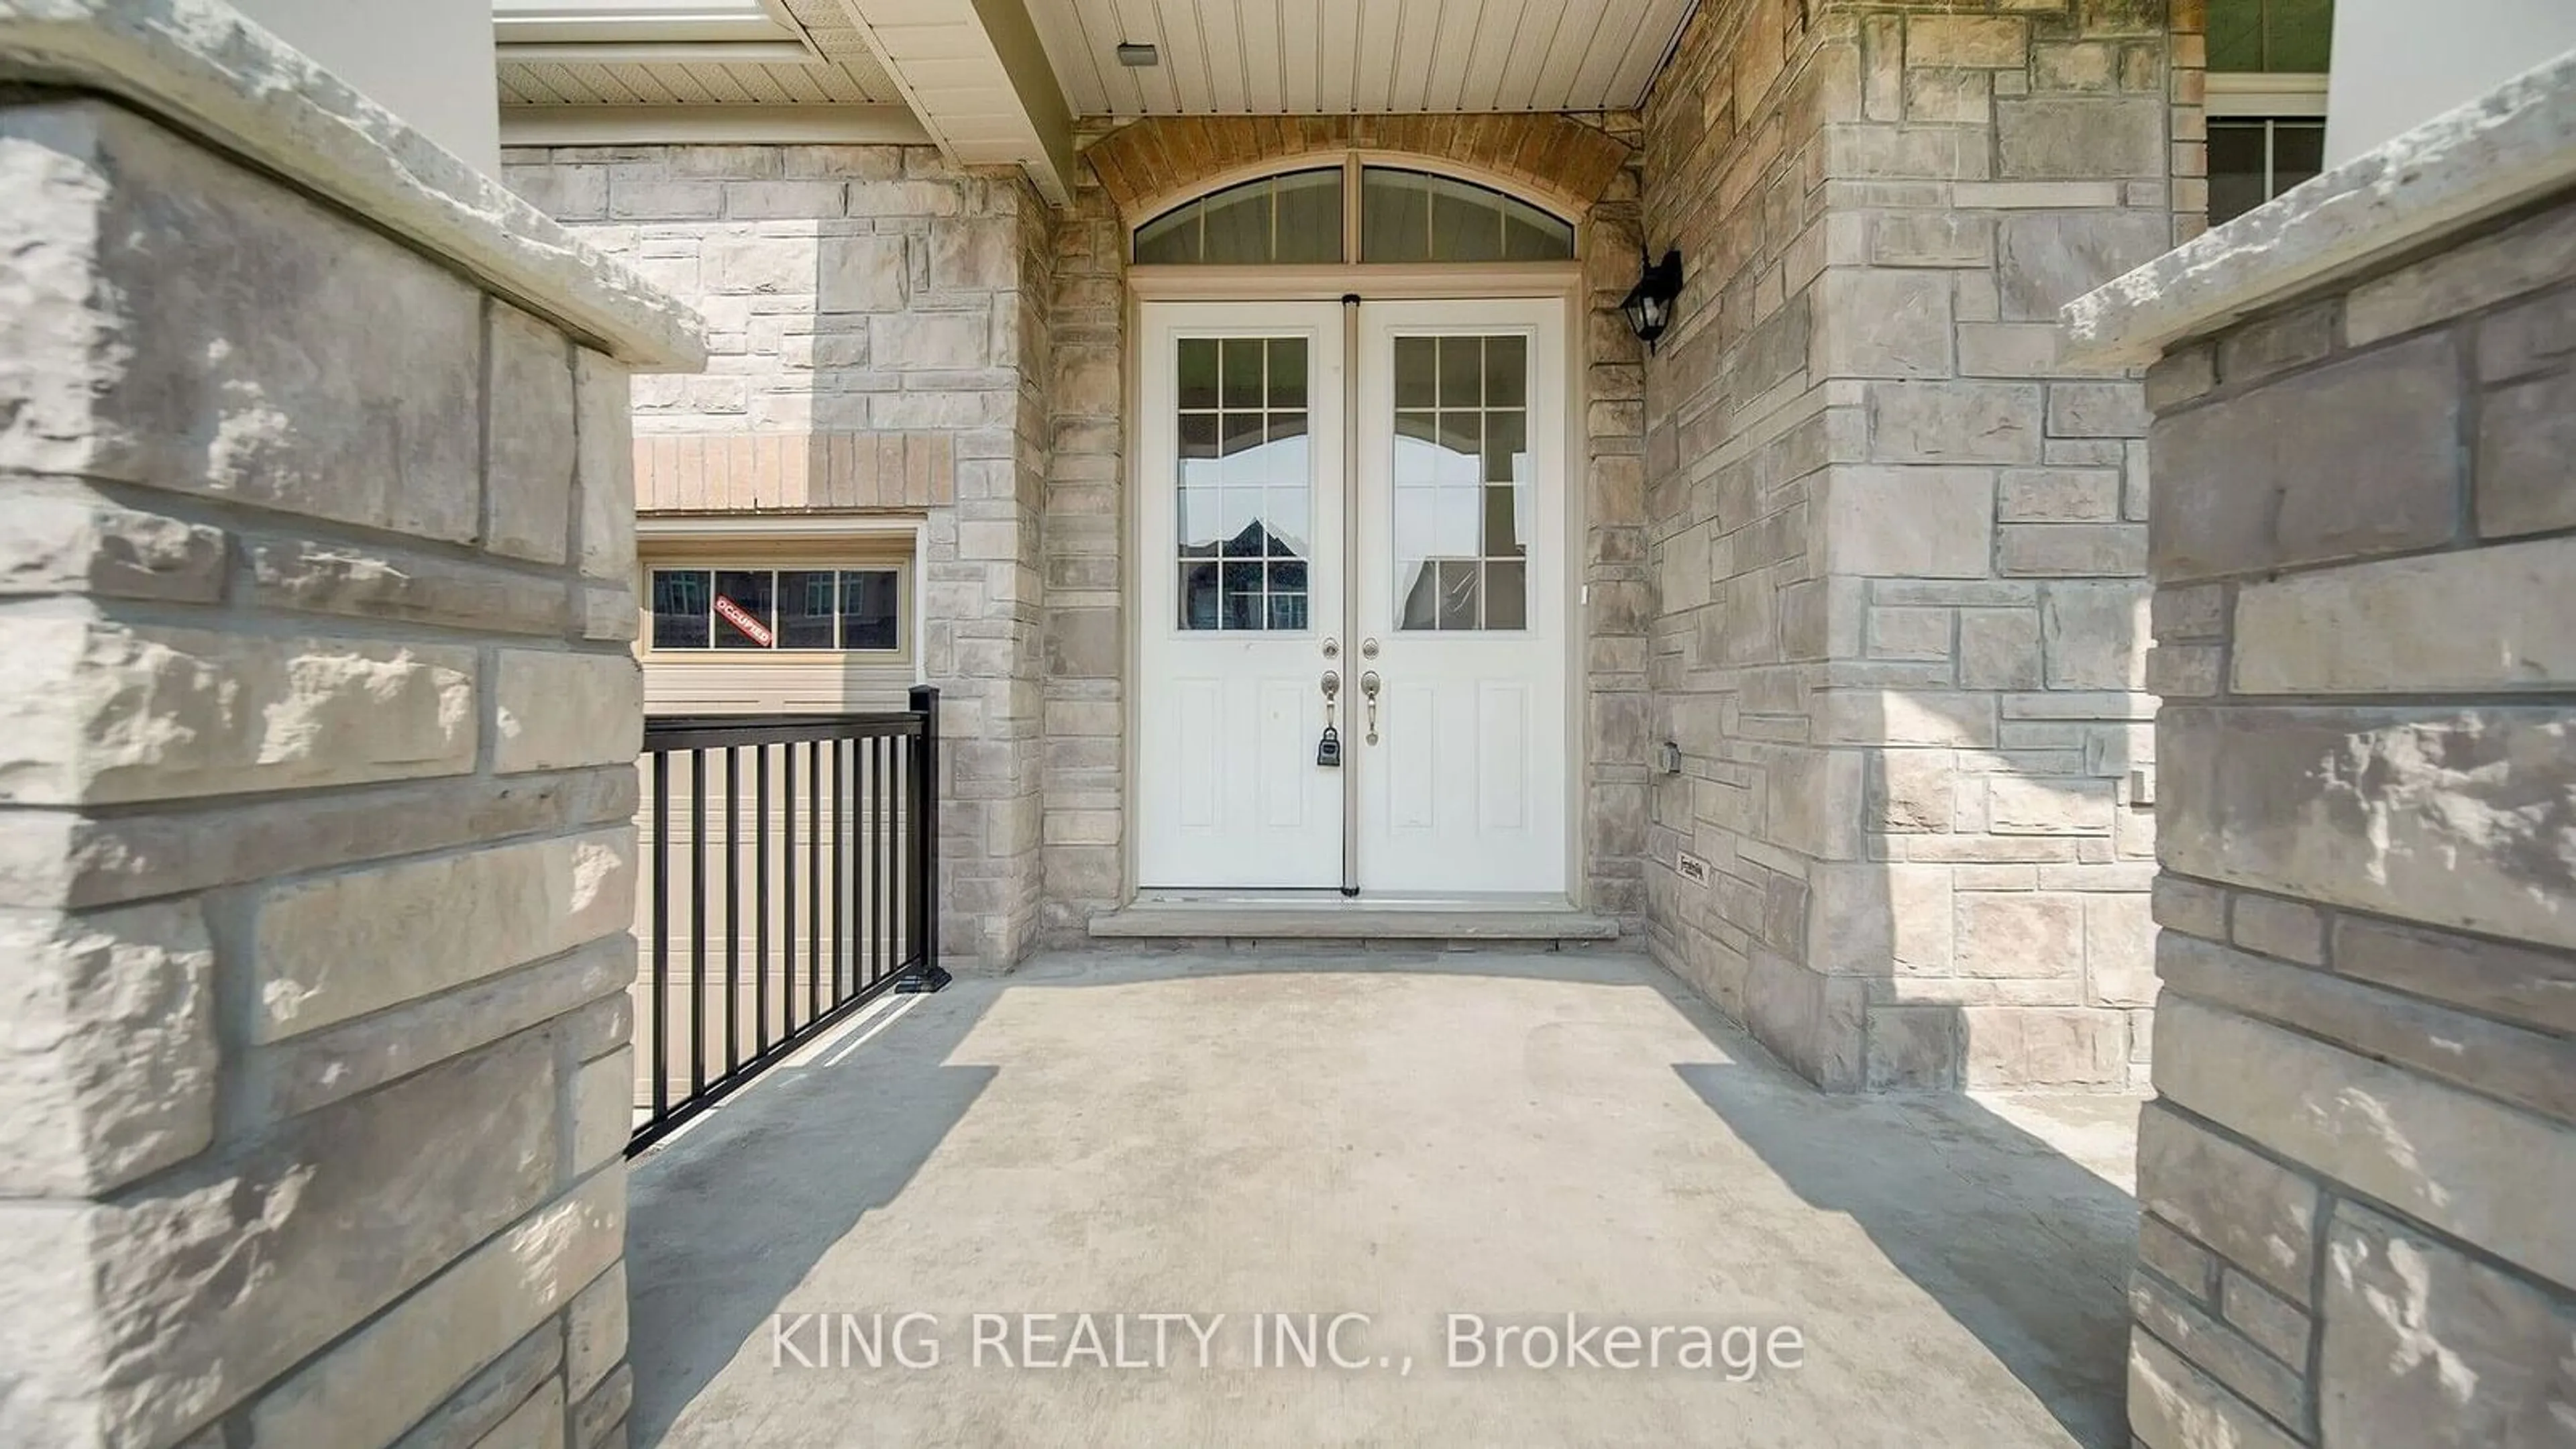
<point x="777" y="609"/>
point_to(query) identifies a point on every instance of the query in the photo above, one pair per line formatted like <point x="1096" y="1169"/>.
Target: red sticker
<point x="740" y="617"/>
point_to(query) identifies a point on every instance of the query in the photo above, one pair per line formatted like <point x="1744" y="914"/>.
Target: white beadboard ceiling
<point x="1290" y="57"/>
<point x="840" y="68"/>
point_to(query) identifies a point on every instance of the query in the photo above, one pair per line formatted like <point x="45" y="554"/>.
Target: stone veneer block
<point x="2277" y="799"/>
<point x="338" y="946"/>
<point x="2426" y="1346"/>
<point x="66" y="537"/>
<point x="2252" y="1211"/>
<point x="528" y="451"/>
<point x="111" y="712"/>
<point x="369" y="1388"/>
<point x="251" y="348"/>
<point x="350" y="1207"/>
<point x="2173" y="1402"/>
<point x="110" y="1062"/>
<point x="2489" y="1175"/>
<point x="2399" y="625"/>
<point x="2360" y="456"/>
<point x="554" y="710"/>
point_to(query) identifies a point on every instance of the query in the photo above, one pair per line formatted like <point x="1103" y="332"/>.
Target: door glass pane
<point x="744" y="594"/>
<point x="1506" y="596"/>
<point x="870" y="605"/>
<point x="1395" y="215"/>
<point x="2298" y="152"/>
<point x="680" y="603"/>
<point x="1287" y="372"/>
<point x="1463" y="487"/>
<point x="806" y="609"/>
<point x="1309" y="218"/>
<point x="1198" y="372"/>
<point x="1291" y="218"/>
<point x="2235" y="169"/>
<point x="1412" y="216"/>
<point x="1245" y="494"/>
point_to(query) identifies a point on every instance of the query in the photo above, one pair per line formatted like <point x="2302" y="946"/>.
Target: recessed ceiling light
<point x="1137" y="55"/>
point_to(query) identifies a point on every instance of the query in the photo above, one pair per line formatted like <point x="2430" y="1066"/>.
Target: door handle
<point x="1368" y="688"/>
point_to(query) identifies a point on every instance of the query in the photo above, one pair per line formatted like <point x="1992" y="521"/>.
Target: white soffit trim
<point x="650" y="32"/>
<point x="710" y="126"/>
<point x="977" y="76"/>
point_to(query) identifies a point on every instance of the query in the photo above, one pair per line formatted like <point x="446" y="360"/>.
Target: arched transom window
<point x="1318" y="215"/>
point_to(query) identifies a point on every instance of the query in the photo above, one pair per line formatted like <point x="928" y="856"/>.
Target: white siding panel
<point x="1419" y="40"/>
<point x="1337" y="46"/>
<point x="1193" y="59"/>
<point x="1498" y="27"/>
<point x="1372" y="65"/>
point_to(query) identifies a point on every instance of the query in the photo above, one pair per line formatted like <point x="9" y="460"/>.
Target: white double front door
<point x="1388" y="557"/>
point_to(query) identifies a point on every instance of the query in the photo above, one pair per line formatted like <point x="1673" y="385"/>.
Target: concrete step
<point x="1352" y="921"/>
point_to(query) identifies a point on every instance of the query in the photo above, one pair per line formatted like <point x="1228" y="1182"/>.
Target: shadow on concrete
<point x="727" y="1218"/>
<point x="2021" y="1246"/>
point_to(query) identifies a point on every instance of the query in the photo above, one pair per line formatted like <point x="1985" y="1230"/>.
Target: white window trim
<point x="745" y="529"/>
<point x="2271" y="95"/>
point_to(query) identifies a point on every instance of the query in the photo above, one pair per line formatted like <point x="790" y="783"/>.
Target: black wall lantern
<point x="1649" y="304"/>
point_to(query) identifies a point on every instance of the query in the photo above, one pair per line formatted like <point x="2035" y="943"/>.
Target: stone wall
<point x="878" y="330"/>
<point x="1897" y="541"/>
<point x="1083" y="833"/>
<point x="2357" y="1179"/>
<point x="315" y="787"/>
<point x="1617" y="582"/>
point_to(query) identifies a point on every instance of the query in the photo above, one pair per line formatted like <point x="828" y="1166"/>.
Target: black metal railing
<point x="790" y="876"/>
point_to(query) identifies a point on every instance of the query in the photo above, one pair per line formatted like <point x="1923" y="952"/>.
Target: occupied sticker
<point x="740" y="617"/>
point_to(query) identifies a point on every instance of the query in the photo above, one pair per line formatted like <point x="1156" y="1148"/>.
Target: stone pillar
<point x="1899" y="539"/>
<point x="2357" y="1179"/>
<point x="1085" y="744"/>
<point x="316" y="764"/>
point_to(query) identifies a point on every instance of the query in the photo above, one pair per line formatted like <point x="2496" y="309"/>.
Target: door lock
<point x="1368" y="687"/>
<point x="1328" y="750"/>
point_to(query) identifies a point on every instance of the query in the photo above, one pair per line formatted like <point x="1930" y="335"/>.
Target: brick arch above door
<point x="1558" y="160"/>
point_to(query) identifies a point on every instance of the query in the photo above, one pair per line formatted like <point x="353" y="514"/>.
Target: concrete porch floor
<point x="1400" y="1135"/>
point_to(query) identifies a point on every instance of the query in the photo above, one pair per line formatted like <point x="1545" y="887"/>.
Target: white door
<point x="1240" y="563"/>
<point x="1446" y="590"/>
<point x="1460" y="583"/>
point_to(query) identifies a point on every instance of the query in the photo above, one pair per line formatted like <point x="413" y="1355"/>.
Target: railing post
<point x="925" y="842"/>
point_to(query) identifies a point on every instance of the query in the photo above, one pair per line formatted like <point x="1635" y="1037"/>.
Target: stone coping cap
<point x="2512" y="145"/>
<point x="202" y="68"/>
